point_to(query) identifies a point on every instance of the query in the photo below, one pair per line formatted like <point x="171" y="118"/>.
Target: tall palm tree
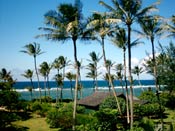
<point x="137" y="71"/>
<point x="70" y="76"/>
<point x="92" y="74"/>
<point x="101" y="24"/>
<point x="4" y="75"/>
<point x="29" y="75"/>
<point x="45" y="70"/>
<point x="92" y="66"/>
<point x="7" y="79"/>
<point x="120" y="40"/>
<point x="60" y="63"/>
<point x="129" y="12"/>
<point x="119" y="74"/>
<point x="66" y="24"/>
<point x="33" y="49"/>
<point x="171" y="27"/>
<point x="151" y="26"/>
<point x="59" y="80"/>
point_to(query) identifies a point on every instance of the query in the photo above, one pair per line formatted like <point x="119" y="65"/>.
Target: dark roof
<point x="96" y="99"/>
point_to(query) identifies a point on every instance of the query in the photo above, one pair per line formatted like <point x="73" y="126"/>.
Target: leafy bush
<point x="144" y="124"/>
<point x="168" y="100"/>
<point x="62" y="117"/>
<point x="110" y="103"/>
<point x="107" y="120"/>
<point x="150" y="109"/>
<point x="86" y="122"/>
<point x="59" y="118"/>
<point x="41" y="109"/>
<point x="9" y="99"/>
<point x="46" y="99"/>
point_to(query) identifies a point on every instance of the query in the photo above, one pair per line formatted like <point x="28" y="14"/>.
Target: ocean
<point x="87" y="89"/>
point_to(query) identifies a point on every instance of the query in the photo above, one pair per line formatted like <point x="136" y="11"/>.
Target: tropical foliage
<point x="116" y="26"/>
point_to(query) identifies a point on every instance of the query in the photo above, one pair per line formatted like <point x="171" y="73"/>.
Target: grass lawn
<point x="33" y="124"/>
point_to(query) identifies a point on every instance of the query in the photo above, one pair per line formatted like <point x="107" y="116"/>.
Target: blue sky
<point x="19" y="23"/>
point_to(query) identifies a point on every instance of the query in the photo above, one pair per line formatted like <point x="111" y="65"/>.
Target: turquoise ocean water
<point x="86" y="90"/>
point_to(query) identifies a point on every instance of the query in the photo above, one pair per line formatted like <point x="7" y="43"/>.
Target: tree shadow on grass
<point x="24" y="115"/>
<point x="14" y="128"/>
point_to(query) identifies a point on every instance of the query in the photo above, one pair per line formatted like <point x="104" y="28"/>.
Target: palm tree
<point x="106" y="78"/>
<point x="151" y="26"/>
<point x="59" y="80"/>
<point x="137" y="71"/>
<point x="33" y="49"/>
<point x="6" y="79"/>
<point x="67" y="25"/>
<point x="92" y="74"/>
<point x="60" y="63"/>
<point x="4" y="75"/>
<point x="101" y="24"/>
<point x="30" y="90"/>
<point x="70" y="76"/>
<point x="171" y="27"/>
<point x="29" y="75"/>
<point x="45" y="70"/>
<point x="129" y="12"/>
<point x="120" y="40"/>
<point x="92" y="66"/>
<point x="119" y="74"/>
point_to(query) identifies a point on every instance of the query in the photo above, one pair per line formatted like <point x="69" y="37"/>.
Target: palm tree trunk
<point x="71" y="90"/>
<point x="156" y="81"/>
<point x="96" y="81"/>
<point x="37" y="78"/>
<point x="109" y="76"/>
<point x="32" y="87"/>
<point x="76" y="85"/>
<point x="140" y="83"/>
<point x="130" y="75"/>
<point x="45" y="86"/>
<point x="126" y="85"/>
<point x="48" y="85"/>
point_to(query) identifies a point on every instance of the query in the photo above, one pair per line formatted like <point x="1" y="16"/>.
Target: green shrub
<point x="41" y="108"/>
<point x="107" y="119"/>
<point x="144" y="124"/>
<point x="59" y="118"/>
<point x="46" y="99"/>
<point x="36" y="106"/>
<point x="110" y="103"/>
<point x="150" y="109"/>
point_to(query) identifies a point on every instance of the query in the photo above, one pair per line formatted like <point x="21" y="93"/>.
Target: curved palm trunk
<point x="45" y="86"/>
<point x="31" y="81"/>
<point x="48" y="85"/>
<point x="109" y="76"/>
<point x="126" y="86"/>
<point x="37" y="77"/>
<point x="76" y="84"/>
<point x="130" y="75"/>
<point x="57" y="90"/>
<point x="62" y="86"/>
<point x="156" y="81"/>
<point x="138" y="77"/>
<point x="154" y="63"/>
<point x="71" y="89"/>
<point x="96" y="80"/>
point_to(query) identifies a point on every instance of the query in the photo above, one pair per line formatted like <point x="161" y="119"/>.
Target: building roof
<point x="93" y="101"/>
<point x="96" y="99"/>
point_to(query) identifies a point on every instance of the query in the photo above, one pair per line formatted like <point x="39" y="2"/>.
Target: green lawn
<point x="33" y="124"/>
